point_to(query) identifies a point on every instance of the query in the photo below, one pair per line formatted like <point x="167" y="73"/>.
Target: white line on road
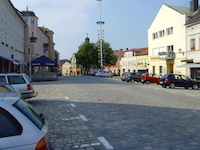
<point x="72" y="105"/>
<point x="66" y="98"/>
<point x="83" y="118"/>
<point x="105" y="142"/>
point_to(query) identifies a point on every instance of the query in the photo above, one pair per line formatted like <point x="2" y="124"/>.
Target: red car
<point x="150" y="78"/>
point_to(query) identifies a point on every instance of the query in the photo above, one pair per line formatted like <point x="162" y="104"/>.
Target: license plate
<point x="161" y="82"/>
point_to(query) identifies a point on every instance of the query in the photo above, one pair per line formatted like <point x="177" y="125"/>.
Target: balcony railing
<point x="33" y="39"/>
<point x="45" y="45"/>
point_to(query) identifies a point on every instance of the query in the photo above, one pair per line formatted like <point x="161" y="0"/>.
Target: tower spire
<point x="87" y="40"/>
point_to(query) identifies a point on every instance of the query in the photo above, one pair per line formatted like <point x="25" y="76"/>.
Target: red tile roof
<point x="139" y="51"/>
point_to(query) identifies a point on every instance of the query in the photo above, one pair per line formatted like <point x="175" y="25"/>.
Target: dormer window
<point x="32" y="21"/>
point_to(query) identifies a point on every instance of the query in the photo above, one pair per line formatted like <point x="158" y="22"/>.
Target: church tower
<point x="87" y="40"/>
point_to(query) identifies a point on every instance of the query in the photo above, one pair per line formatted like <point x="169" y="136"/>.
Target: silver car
<point x="21" y="126"/>
<point x="104" y="73"/>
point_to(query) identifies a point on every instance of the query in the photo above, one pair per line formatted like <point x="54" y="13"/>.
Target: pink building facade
<point x="35" y="39"/>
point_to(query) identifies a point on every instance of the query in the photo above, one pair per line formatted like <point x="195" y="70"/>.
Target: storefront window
<point x="198" y="74"/>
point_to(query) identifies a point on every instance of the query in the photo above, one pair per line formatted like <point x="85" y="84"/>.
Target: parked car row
<point x="21" y="126"/>
<point x="20" y="82"/>
<point x="140" y="77"/>
<point x="170" y="80"/>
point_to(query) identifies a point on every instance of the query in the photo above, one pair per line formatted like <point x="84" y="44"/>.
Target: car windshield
<point x="2" y="79"/>
<point x="143" y="75"/>
<point x="165" y="76"/>
<point x="18" y="79"/>
<point x="30" y="113"/>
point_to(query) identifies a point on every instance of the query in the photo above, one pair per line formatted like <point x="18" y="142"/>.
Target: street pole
<point x="30" y="65"/>
<point x="100" y="22"/>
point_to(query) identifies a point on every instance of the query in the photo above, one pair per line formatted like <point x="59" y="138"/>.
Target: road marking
<point x="88" y="145"/>
<point x="103" y="141"/>
<point x="72" y="118"/>
<point x="85" y="145"/>
<point x="66" y="98"/>
<point x="63" y="105"/>
<point x="72" y="105"/>
<point x="83" y="118"/>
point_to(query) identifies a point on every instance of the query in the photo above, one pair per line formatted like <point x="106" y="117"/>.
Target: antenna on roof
<point x="27" y="8"/>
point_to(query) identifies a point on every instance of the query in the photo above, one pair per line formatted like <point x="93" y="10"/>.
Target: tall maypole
<point x="100" y="23"/>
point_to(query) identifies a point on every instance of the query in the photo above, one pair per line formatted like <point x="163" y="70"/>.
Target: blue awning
<point x="20" y="62"/>
<point x="10" y="59"/>
<point x="43" y="61"/>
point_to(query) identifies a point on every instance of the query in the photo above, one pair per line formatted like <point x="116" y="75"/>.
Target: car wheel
<point x="147" y="82"/>
<point x="186" y="87"/>
<point x="195" y="87"/>
<point x="164" y="86"/>
<point x="171" y="85"/>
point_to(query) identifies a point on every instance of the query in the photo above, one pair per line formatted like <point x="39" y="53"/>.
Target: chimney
<point x="127" y="49"/>
<point x="194" y="5"/>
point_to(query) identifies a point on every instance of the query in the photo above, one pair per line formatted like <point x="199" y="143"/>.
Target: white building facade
<point x="11" y="37"/>
<point x="134" y="60"/>
<point x="192" y="63"/>
<point x="167" y="40"/>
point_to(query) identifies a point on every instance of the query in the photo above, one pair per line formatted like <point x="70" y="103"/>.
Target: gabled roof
<point x="139" y="51"/>
<point x="119" y="54"/>
<point x="195" y="18"/>
<point x="183" y="10"/>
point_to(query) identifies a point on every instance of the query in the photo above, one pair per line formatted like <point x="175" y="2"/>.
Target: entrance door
<point x="170" y="68"/>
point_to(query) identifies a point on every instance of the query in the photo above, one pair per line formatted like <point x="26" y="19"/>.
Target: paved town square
<point x="92" y="113"/>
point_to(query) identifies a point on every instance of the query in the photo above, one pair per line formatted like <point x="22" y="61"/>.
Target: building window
<point x="32" y="21"/>
<point x="170" y="48"/>
<point x="155" y="35"/>
<point x="153" y="68"/>
<point x="155" y="51"/>
<point x="170" y="31"/>
<point x="192" y="43"/>
<point x="162" y="33"/>
<point x="2" y="37"/>
<point x="160" y="70"/>
<point x="26" y="20"/>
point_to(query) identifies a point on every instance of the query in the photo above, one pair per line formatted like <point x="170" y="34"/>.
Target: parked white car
<point x="19" y="81"/>
<point x="103" y="73"/>
<point x="21" y="126"/>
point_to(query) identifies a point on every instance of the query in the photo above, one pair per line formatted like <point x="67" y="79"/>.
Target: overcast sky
<point x="126" y="21"/>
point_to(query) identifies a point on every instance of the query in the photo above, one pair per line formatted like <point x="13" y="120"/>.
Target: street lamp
<point x="100" y="23"/>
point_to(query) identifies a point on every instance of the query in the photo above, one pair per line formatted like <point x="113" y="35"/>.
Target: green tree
<point x="87" y="55"/>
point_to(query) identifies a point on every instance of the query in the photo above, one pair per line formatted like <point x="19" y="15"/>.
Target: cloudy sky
<point x="126" y="21"/>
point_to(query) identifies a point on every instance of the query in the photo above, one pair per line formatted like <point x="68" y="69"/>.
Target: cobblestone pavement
<point x="91" y="113"/>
